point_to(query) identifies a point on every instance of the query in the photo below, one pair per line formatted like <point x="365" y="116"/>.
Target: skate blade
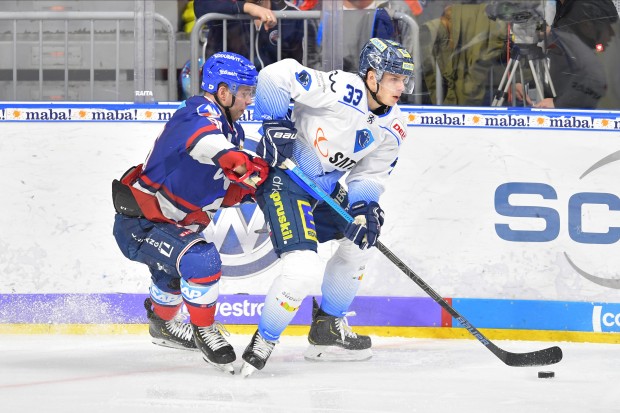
<point x="247" y="370"/>
<point x="171" y="344"/>
<point x="226" y="368"/>
<point x="335" y="353"/>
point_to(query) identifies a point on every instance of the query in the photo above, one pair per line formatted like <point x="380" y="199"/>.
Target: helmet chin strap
<point x="374" y="94"/>
<point x="226" y="108"/>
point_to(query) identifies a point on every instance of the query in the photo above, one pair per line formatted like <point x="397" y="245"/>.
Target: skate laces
<point x="214" y="335"/>
<point x="262" y="347"/>
<point x="342" y="324"/>
<point x="179" y="328"/>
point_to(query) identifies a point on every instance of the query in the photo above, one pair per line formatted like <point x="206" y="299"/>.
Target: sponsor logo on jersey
<point x="285" y="298"/>
<point x="371" y="119"/>
<point x="163" y="247"/>
<point x="284" y="223"/>
<point x="318" y="138"/>
<point x="341" y="161"/>
<point x="307" y="220"/>
<point x="399" y="128"/>
<point x="288" y="307"/>
<point x="363" y="138"/>
<point x="304" y="79"/>
<point x="332" y="81"/>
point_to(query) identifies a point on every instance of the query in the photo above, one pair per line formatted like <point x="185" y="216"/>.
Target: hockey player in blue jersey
<point x="343" y="125"/>
<point x="195" y="166"/>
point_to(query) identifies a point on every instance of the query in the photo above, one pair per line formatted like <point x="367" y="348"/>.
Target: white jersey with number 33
<point x="337" y="133"/>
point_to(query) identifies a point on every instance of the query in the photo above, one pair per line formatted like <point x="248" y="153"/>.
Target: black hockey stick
<point x="543" y="357"/>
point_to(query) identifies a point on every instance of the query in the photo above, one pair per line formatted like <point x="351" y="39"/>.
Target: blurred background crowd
<point x="536" y="53"/>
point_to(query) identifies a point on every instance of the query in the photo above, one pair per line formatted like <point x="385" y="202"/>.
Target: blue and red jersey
<point x="180" y="182"/>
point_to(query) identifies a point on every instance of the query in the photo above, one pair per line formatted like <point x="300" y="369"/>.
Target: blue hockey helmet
<point x="385" y="55"/>
<point x="229" y="68"/>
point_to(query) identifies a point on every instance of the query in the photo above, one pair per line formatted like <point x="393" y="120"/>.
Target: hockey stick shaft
<point x="537" y="358"/>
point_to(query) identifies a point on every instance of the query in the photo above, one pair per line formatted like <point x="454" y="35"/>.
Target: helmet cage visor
<point x="409" y="80"/>
<point x="392" y="59"/>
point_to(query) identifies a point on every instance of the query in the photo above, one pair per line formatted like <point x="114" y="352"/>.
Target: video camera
<point x="526" y="17"/>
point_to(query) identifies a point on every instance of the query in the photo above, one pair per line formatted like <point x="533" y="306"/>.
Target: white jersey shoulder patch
<point x="399" y="128"/>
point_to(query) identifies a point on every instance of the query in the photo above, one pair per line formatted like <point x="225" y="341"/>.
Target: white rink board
<point x="440" y="214"/>
<point x="440" y="217"/>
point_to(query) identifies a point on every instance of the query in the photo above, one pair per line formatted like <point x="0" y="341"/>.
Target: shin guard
<point x="301" y="271"/>
<point x="201" y="300"/>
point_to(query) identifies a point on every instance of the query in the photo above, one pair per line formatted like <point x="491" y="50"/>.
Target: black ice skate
<point x="256" y="354"/>
<point x="215" y="349"/>
<point x="174" y="333"/>
<point x="331" y="339"/>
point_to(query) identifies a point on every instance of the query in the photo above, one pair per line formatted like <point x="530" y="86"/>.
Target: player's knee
<point x="199" y="261"/>
<point x="301" y="271"/>
<point x="201" y="269"/>
<point x="349" y="252"/>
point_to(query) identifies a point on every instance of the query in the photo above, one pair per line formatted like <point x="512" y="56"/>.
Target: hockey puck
<point x="546" y="374"/>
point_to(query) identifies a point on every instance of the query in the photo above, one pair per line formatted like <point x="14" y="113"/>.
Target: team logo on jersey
<point x="318" y="138"/>
<point x="363" y="138"/>
<point x="209" y="110"/>
<point x="399" y="128"/>
<point x="304" y="79"/>
<point x="241" y="237"/>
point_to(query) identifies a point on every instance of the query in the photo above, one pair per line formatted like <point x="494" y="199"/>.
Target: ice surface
<point x="126" y="373"/>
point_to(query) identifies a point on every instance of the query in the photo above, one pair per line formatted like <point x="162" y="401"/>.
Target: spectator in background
<point x="465" y="44"/>
<point x="266" y="25"/>
<point x="266" y="47"/>
<point x="188" y="18"/>
<point x="578" y="57"/>
<point x="370" y="19"/>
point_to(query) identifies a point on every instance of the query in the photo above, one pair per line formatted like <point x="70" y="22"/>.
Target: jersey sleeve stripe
<point x="199" y="133"/>
<point x="178" y="202"/>
<point x="145" y="182"/>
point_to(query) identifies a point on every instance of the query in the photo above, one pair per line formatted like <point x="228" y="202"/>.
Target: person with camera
<point x="576" y="43"/>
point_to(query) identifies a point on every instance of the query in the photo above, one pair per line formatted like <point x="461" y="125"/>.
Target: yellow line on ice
<point x="411" y="332"/>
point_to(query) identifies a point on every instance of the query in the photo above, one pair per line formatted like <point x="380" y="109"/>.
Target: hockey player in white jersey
<point x="341" y="124"/>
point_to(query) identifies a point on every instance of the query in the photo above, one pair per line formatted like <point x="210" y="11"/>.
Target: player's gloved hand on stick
<point x="276" y="145"/>
<point x="231" y="162"/>
<point x="366" y="226"/>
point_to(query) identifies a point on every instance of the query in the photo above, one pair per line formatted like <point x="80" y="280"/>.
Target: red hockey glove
<point x="256" y="169"/>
